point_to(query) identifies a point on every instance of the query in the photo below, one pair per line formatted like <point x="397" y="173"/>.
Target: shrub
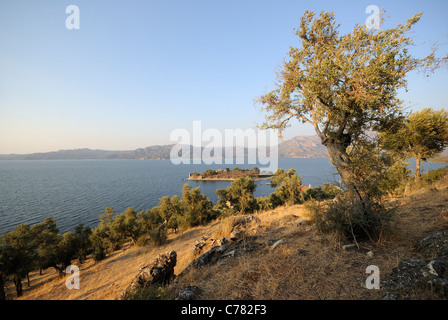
<point x="142" y="241"/>
<point x="196" y="207"/>
<point x="433" y="176"/>
<point x="288" y="189"/>
<point x="152" y="292"/>
<point x="328" y="191"/>
<point x="264" y="203"/>
<point x="158" y="237"/>
<point x="239" y="195"/>
<point x="350" y="218"/>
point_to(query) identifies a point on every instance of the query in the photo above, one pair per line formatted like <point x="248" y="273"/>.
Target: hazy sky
<point x="137" y="70"/>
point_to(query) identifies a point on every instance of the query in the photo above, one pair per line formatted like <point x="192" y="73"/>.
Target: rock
<point x="276" y="244"/>
<point x="301" y="223"/>
<point x="434" y="245"/>
<point x="245" y="220"/>
<point x="405" y="275"/>
<point x="210" y="256"/>
<point x="437" y="267"/>
<point x="159" y="272"/>
<point x="188" y="293"/>
<point x="350" y="247"/>
<point x="390" y="296"/>
<point x="219" y="242"/>
<point x="237" y="235"/>
<point x="217" y="253"/>
<point x="419" y="275"/>
<point x="229" y="254"/>
<point x="428" y="276"/>
<point x="290" y="218"/>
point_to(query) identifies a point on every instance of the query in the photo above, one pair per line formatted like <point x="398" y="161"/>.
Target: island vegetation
<point x="229" y="175"/>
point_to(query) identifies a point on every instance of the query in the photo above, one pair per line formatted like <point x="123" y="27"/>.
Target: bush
<point x="239" y="195"/>
<point x="196" y="207"/>
<point x="264" y="203"/>
<point x="328" y="191"/>
<point x="433" y="176"/>
<point x="350" y="218"/>
<point x="158" y="237"/>
<point x="151" y="292"/>
<point x="142" y="241"/>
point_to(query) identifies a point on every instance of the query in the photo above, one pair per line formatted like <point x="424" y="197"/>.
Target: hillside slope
<point x="306" y="265"/>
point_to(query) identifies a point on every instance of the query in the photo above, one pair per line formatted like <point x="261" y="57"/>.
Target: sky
<point x="137" y="70"/>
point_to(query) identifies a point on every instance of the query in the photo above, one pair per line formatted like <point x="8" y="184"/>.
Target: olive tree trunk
<point x="18" y="284"/>
<point x="418" y="162"/>
<point x="345" y="168"/>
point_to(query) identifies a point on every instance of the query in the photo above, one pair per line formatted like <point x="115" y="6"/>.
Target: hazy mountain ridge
<point x="302" y="147"/>
<point x="298" y="147"/>
<point x="75" y="154"/>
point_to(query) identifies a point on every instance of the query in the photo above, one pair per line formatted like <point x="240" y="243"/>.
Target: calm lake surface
<point x="78" y="191"/>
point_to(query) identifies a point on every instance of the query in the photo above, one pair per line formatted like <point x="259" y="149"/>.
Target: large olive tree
<point x="343" y="85"/>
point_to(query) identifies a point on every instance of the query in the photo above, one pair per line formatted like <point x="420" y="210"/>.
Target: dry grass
<point x="324" y="272"/>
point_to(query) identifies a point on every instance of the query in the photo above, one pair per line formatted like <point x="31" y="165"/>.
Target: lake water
<point x="78" y="191"/>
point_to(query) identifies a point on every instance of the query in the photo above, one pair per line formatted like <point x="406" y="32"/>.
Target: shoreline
<point x="225" y="179"/>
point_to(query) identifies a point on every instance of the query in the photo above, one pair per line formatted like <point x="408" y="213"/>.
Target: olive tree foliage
<point x="288" y="187"/>
<point x="197" y="208"/>
<point x="16" y="256"/>
<point x="126" y="227"/>
<point x="423" y="135"/>
<point x="239" y="196"/>
<point x="343" y="85"/>
<point x="103" y="239"/>
<point x="379" y="171"/>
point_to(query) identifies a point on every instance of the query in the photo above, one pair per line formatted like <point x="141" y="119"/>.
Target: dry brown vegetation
<point x="321" y="269"/>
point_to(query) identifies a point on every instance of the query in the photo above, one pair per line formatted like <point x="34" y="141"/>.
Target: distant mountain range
<point x="298" y="147"/>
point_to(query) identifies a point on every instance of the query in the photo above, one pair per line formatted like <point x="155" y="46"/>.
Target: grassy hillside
<point x="307" y="265"/>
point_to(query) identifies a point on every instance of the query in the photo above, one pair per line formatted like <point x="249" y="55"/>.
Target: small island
<point x="229" y="175"/>
<point x="440" y="160"/>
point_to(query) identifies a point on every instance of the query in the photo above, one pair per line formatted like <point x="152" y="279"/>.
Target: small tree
<point x="45" y="237"/>
<point x="170" y="212"/>
<point x="288" y="190"/>
<point x="423" y="136"/>
<point x="66" y="252"/>
<point x="18" y="254"/>
<point x="103" y="239"/>
<point x="150" y="219"/>
<point x="196" y="207"/>
<point x="125" y="226"/>
<point x="240" y="195"/>
<point x="83" y="243"/>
